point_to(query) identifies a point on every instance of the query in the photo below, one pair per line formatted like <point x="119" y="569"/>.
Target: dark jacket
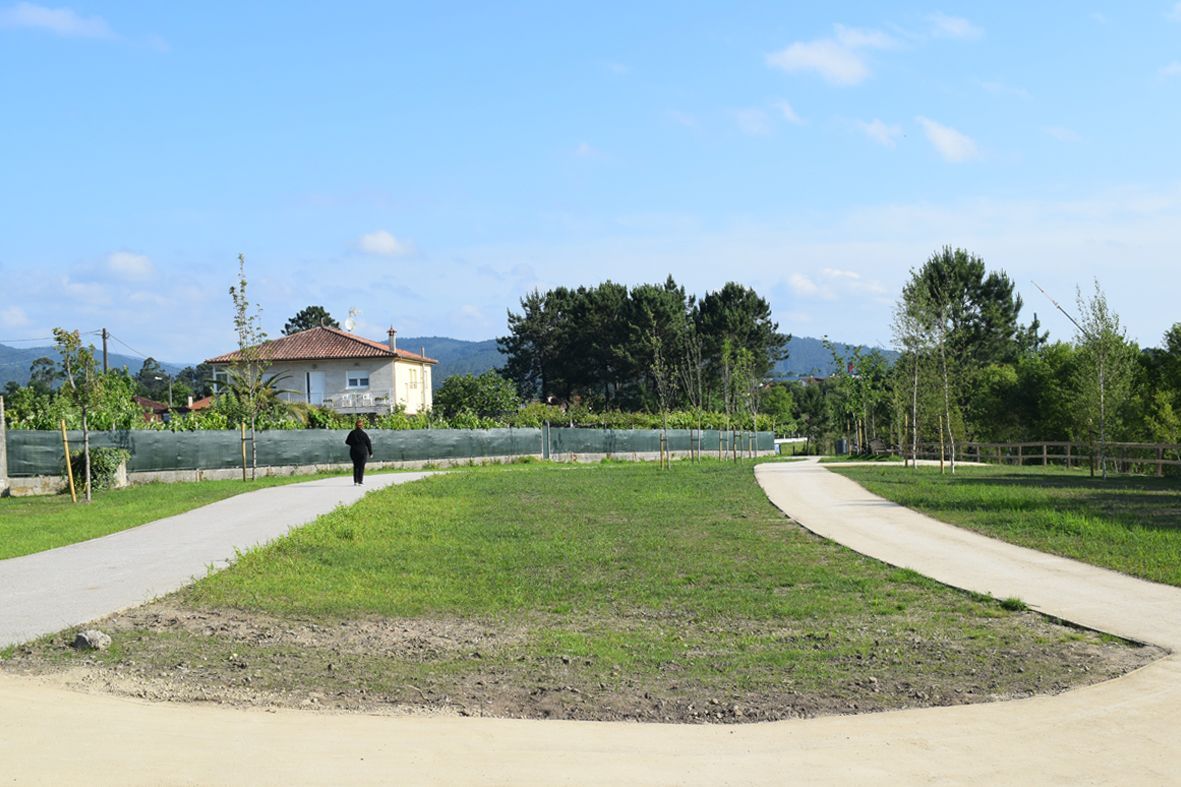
<point x="359" y="446"/>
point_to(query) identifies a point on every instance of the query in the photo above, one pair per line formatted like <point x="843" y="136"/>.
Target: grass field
<point x="1130" y="524"/>
<point x="34" y="524"/>
<point x="599" y="592"/>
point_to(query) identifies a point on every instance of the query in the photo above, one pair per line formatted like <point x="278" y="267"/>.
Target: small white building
<point x="344" y="372"/>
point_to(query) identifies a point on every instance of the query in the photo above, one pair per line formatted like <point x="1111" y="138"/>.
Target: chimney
<point x="190" y="402"/>
<point x="393" y="338"/>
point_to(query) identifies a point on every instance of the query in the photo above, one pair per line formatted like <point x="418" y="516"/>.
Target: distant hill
<point x="806" y="356"/>
<point x="15" y="361"/>
<point x="455" y="356"/>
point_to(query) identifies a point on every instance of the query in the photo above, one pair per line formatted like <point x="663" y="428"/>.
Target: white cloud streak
<point x="880" y="132"/>
<point x="838" y="60"/>
<point x="789" y="114"/>
<point x="382" y="243"/>
<point x="753" y="122"/>
<point x="63" y="22"/>
<point x="130" y="266"/>
<point x="944" y="26"/>
<point x="1171" y="70"/>
<point x="1062" y="134"/>
<point x="952" y="145"/>
<point x="13" y="317"/>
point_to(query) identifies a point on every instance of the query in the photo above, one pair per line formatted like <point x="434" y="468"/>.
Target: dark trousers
<point x="359" y="469"/>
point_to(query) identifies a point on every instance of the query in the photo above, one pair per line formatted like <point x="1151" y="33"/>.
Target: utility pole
<point x="105" y="335"/>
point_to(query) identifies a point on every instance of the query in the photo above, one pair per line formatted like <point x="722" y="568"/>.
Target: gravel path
<point x="1119" y="732"/>
<point x="52" y="590"/>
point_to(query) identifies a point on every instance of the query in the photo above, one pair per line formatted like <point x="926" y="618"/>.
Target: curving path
<point x="1118" y="732"/>
<point x="52" y="590"/>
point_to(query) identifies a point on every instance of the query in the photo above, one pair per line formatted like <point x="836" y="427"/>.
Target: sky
<point x="428" y="164"/>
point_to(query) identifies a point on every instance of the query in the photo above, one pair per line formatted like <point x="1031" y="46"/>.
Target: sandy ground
<point x="1118" y="732"/>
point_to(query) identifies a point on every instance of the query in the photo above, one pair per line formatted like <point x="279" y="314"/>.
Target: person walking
<point x="360" y="449"/>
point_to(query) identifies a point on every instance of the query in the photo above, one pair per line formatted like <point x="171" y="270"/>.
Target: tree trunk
<point x="86" y="450"/>
<point x="914" y="416"/>
<point x="253" y="449"/>
<point x="947" y="401"/>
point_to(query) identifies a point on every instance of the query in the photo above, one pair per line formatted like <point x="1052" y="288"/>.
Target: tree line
<point x="970" y="370"/>
<point x="651" y="347"/>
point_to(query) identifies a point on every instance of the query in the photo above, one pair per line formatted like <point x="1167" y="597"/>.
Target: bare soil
<point x="167" y="652"/>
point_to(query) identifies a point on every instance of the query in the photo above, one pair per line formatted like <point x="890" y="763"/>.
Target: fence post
<point x="1045" y="456"/>
<point x="1069" y="465"/>
<point x="1160" y="451"/>
<point x="3" y="450"/>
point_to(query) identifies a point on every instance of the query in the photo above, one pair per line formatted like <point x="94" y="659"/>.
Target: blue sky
<point x="428" y="164"/>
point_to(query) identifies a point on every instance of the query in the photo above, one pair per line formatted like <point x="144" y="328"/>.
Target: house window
<point x="414" y="378"/>
<point x="357" y="380"/>
<point x="220" y="377"/>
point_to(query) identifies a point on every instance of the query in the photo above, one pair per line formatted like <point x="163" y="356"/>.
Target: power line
<point x="128" y="346"/>
<point x="38" y="339"/>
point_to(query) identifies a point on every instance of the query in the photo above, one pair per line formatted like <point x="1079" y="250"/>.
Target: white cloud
<point x="683" y="119"/>
<point x="382" y="243"/>
<point x="833" y="62"/>
<point x="944" y="26"/>
<point x="838" y="60"/>
<point x="880" y="132"/>
<point x="1172" y="69"/>
<point x="1175" y="14"/>
<point x="789" y="114"/>
<point x="14" y="317"/>
<point x="618" y="69"/>
<point x="85" y="293"/>
<point x="60" y="21"/>
<point x="587" y="150"/>
<point x="952" y="145"/>
<point x="471" y="311"/>
<point x="1062" y="134"/>
<point x="130" y="266"/>
<point x="802" y="285"/>
<point x="753" y="122"/>
<point x="860" y="38"/>
<point x="837" y="273"/>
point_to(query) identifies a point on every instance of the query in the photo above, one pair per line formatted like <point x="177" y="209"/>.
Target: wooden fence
<point x="1139" y="458"/>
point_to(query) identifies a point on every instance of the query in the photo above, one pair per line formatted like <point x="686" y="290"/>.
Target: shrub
<point x="104" y="466"/>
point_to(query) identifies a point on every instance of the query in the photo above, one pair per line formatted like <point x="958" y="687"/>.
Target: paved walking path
<point x="52" y="590"/>
<point x="1118" y="732"/>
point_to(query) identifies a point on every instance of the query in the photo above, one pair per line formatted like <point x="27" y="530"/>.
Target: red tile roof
<point x="323" y="343"/>
<point x="202" y="404"/>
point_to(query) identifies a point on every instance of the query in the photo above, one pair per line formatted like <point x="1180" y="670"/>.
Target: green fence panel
<point x="33" y="453"/>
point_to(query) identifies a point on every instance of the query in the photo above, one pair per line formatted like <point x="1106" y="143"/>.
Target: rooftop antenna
<point x="350" y="322"/>
<point x="1059" y="308"/>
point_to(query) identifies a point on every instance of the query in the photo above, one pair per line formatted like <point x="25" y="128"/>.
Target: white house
<point x="343" y="371"/>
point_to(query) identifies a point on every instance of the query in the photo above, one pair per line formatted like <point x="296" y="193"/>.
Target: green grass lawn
<point x="34" y="524"/>
<point x="611" y="591"/>
<point x="1127" y="523"/>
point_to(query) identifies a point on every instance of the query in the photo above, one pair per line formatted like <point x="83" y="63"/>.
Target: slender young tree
<point x="248" y="373"/>
<point x="83" y="385"/>
<point x="1109" y="357"/>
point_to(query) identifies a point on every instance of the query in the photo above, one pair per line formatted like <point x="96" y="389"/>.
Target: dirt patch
<point x="167" y="652"/>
